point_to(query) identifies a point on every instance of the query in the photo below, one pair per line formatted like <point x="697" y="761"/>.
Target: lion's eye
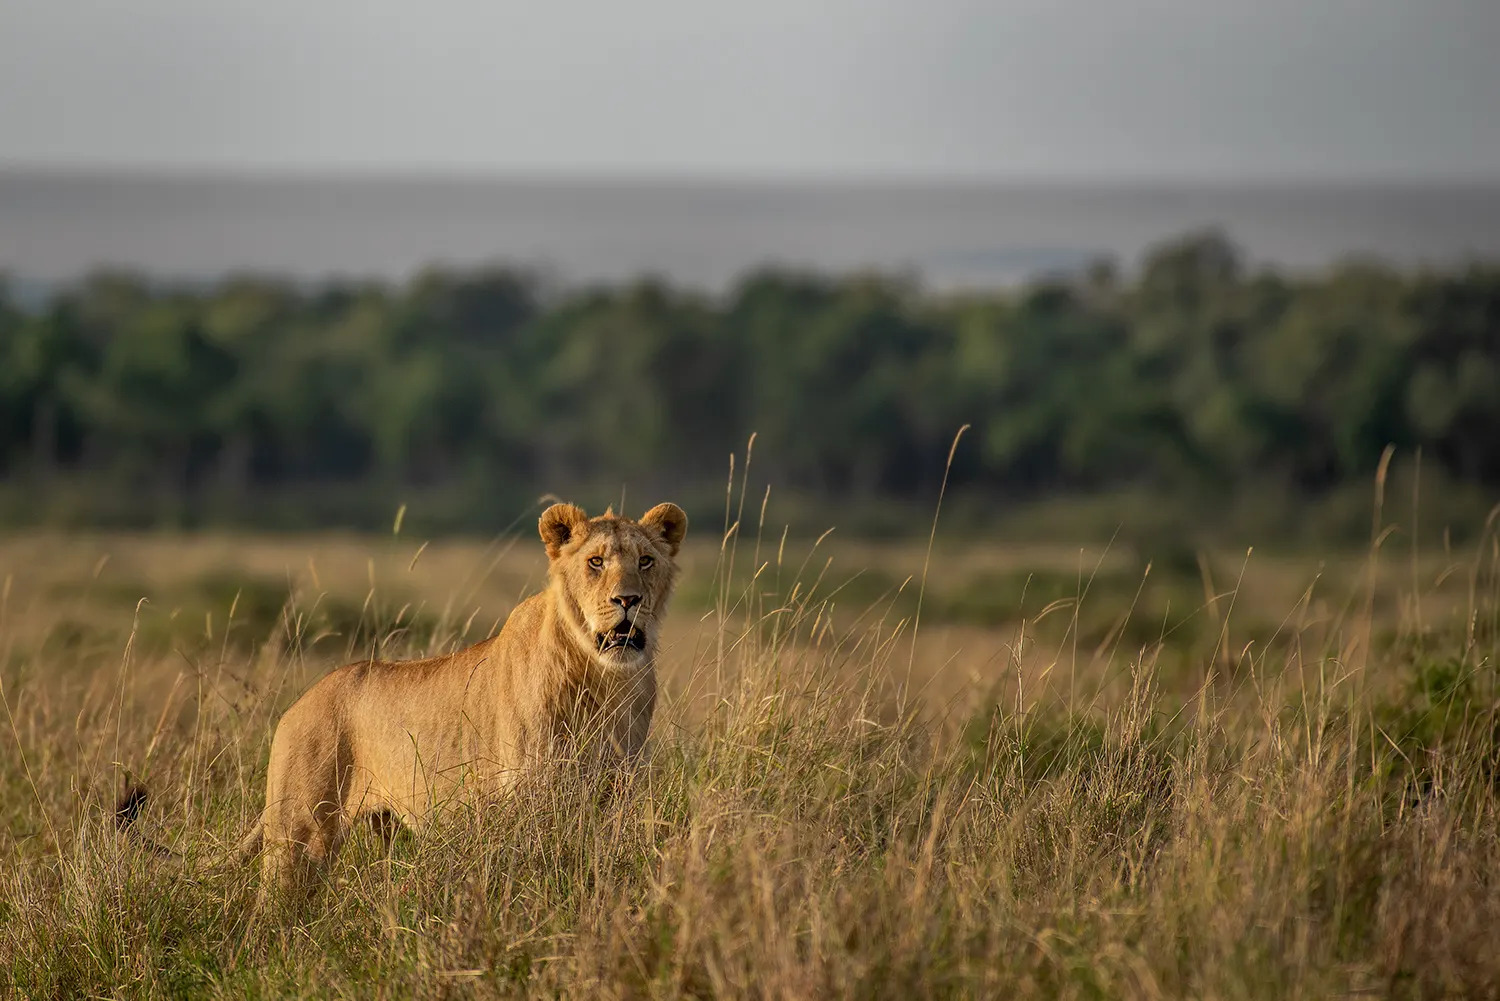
<point x="647" y="562"/>
<point x="597" y="562"/>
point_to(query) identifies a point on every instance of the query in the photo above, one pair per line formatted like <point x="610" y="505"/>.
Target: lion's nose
<point x="626" y="601"/>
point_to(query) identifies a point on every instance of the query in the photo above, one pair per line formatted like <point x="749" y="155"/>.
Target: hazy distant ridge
<point x="56" y="226"/>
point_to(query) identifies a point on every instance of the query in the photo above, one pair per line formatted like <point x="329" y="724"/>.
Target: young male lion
<point x="570" y="672"/>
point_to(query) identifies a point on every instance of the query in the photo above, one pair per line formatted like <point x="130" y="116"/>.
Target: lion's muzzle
<point x="624" y="636"/>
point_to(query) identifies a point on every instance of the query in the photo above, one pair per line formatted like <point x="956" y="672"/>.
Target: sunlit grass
<point x="1181" y="782"/>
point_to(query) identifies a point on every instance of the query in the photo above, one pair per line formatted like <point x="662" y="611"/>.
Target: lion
<point x="572" y="672"/>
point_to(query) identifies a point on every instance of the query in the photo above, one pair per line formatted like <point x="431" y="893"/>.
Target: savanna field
<point x="879" y="769"/>
<point x="1123" y="623"/>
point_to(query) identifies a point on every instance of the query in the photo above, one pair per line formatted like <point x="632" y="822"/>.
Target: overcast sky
<point x="1031" y="88"/>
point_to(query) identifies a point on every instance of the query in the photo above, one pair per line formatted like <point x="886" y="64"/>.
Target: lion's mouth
<point x="622" y="637"/>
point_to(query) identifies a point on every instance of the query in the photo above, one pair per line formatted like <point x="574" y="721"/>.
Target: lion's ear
<point x="667" y="521"/>
<point x="558" y="525"/>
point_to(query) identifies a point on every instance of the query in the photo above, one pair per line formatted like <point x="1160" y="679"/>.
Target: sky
<point x="1212" y="89"/>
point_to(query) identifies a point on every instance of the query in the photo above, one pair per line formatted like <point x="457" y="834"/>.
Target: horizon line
<point x="714" y="177"/>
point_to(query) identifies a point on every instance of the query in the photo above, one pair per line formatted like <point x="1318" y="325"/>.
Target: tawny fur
<point x="403" y="739"/>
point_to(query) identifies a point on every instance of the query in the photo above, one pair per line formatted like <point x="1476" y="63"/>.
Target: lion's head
<point x="613" y="577"/>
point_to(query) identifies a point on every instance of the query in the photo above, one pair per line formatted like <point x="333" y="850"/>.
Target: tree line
<point x="490" y="385"/>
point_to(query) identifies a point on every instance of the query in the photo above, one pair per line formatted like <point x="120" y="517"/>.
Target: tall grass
<point x="1308" y="815"/>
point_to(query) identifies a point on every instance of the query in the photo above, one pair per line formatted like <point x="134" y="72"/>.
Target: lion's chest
<point x="602" y="721"/>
